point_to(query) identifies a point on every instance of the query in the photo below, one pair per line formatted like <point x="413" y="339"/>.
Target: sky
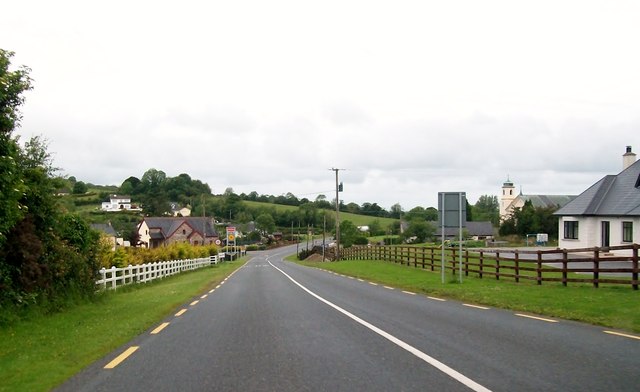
<point x="408" y="98"/>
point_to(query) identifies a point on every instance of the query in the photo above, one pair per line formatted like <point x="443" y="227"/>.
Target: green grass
<point x="356" y="219"/>
<point x="610" y="306"/>
<point x="41" y="353"/>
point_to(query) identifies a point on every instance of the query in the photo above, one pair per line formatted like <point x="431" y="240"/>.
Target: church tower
<point x="508" y="195"/>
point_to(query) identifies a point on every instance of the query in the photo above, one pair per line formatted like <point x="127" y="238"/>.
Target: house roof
<point x="168" y="225"/>
<point x="613" y="195"/>
<point x="105" y="228"/>
<point x="548" y="201"/>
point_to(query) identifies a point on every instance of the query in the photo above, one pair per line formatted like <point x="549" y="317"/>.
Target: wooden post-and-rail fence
<point x="588" y="265"/>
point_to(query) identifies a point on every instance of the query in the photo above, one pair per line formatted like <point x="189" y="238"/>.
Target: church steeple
<point x="508" y="195"/>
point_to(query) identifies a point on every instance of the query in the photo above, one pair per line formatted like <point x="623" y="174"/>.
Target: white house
<point x="607" y="213"/>
<point x="119" y="203"/>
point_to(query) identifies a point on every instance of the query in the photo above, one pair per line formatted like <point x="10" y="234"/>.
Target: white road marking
<point x="622" y="334"/>
<point x="428" y="359"/>
<point x="408" y="292"/>
<point x="476" y="306"/>
<point x="437" y="299"/>
<point x="536" y="318"/>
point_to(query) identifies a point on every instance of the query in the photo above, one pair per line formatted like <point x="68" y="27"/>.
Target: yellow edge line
<point x="159" y="328"/>
<point x="536" y="318"/>
<point x="194" y="303"/>
<point x="180" y="313"/>
<point x="623" y="335"/>
<point x="121" y="357"/>
<point x="476" y="306"/>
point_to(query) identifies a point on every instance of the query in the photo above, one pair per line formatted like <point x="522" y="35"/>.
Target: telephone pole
<point x="337" y="214"/>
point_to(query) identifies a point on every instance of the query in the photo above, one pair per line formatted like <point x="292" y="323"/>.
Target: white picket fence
<point x="114" y="277"/>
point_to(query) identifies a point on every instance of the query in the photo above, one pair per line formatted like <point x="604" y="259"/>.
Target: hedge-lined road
<point x="278" y="326"/>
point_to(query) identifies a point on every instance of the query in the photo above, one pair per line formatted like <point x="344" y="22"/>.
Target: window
<point x="627" y="231"/>
<point x="570" y="230"/>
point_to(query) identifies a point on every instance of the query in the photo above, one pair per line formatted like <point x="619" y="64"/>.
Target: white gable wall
<point x="143" y="232"/>
<point x="590" y="231"/>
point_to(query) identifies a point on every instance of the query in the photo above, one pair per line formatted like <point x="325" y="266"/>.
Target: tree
<point x="13" y="84"/>
<point x="487" y="208"/>
<point x="348" y="233"/>
<point x="419" y="229"/>
<point x="396" y="211"/>
<point x="80" y="188"/>
<point x="265" y="223"/>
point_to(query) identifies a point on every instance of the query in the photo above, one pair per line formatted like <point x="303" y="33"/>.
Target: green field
<point x="358" y="220"/>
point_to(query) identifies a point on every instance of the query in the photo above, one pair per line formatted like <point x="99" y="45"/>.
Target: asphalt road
<point x="278" y="326"/>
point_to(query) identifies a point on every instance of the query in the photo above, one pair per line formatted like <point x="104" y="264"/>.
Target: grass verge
<point x="610" y="306"/>
<point x="40" y="353"/>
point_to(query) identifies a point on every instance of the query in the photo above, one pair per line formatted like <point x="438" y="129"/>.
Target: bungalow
<point x="155" y="232"/>
<point x="606" y="213"/>
<point x="110" y="235"/>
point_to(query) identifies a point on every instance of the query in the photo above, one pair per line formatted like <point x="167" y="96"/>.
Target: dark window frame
<point x="627" y="231"/>
<point x="571" y="230"/>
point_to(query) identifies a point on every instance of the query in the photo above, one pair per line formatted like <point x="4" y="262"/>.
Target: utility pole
<point x="337" y="215"/>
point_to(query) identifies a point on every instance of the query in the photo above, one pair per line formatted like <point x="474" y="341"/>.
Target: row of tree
<point x="46" y="256"/>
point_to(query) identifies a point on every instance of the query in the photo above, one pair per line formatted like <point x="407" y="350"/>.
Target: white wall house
<point x="119" y="203"/>
<point x="607" y="213"/>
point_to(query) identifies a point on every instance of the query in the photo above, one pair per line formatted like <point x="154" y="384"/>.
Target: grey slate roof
<point x="105" y="228"/>
<point x="613" y="195"/>
<point x="548" y="201"/>
<point x="168" y="225"/>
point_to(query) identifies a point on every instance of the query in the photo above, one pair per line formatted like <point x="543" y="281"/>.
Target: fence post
<point x="564" y="267"/>
<point x="596" y="267"/>
<point x="539" y="268"/>
<point x="481" y="262"/>
<point x="453" y="261"/>
<point x="114" y="283"/>
<point x="517" y="270"/>
<point x="103" y="273"/>
<point x="497" y="265"/>
<point x="634" y="274"/>
<point x="466" y="262"/>
<point x="422" y="250"/>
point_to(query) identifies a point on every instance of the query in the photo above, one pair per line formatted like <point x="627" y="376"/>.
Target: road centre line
<point x="121" y="357"/>
<point x="181" y="312"/>
<point x="476" y="306"/>
<point x="623" y="335"/>
<point x="426" y="358"/>
<point x="536" y="318"/>
<point x="159" y="328"/>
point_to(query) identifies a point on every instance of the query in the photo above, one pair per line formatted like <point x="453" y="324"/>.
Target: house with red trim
<point x="156" y="232"/>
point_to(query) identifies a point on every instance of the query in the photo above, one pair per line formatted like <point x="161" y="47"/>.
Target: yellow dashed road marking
<point x="121" y="357"/>
<point x="160" y="328"/>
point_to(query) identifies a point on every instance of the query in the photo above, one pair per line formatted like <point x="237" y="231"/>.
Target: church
<point x="510" y="200"/>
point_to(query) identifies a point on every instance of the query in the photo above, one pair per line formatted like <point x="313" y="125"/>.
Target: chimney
<point x="628" y="158"/>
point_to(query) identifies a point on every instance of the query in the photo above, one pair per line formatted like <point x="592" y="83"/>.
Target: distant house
<point x="606" y="213"/>
<point x="110" y="234"/>
<point x="119" y="203"/>
<point x="156" y="232"/>
<point x="177" y="210"/>
<point x="509" y="200"/>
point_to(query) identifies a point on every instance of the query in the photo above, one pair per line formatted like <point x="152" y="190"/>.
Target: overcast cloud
<point x="410" y="97"/>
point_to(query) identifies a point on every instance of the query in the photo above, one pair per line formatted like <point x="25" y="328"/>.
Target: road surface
<point x="277" y="326"/>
